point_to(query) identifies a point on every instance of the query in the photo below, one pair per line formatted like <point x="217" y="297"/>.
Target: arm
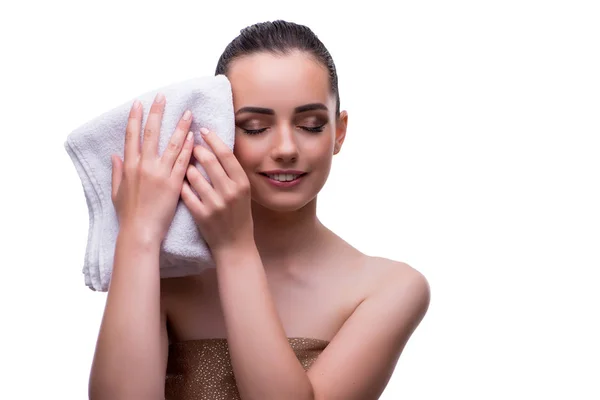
<point x="373" y="337"/>
<point x="264" y="364"/>
<point x="131" y="351"/>
<point x="381" y="326"/>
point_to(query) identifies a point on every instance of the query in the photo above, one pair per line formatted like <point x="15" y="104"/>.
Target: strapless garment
<point x="201" y="369"/>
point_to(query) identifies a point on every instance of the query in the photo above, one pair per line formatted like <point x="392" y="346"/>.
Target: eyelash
<point x="315" y="129"/>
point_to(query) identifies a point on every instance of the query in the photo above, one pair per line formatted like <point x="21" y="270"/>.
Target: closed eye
<point x="314" y="129"/>
<point x="254" y="131"/>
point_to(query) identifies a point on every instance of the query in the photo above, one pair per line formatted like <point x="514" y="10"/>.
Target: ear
<point x="340" y="131"/>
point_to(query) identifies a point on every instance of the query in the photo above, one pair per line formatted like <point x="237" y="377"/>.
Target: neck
<point x="287" y="238"/>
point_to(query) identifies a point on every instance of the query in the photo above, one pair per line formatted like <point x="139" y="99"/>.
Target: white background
<point x="472" y="154"/>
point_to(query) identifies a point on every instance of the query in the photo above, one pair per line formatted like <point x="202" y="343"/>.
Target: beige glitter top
<point x="201" y="369"/>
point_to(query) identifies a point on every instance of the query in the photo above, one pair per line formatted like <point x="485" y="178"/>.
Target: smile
<point x="283" y="177"/>
<point x="284" y="180"/>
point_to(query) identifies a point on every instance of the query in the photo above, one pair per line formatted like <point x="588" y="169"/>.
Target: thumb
<point x="117" y="175"/>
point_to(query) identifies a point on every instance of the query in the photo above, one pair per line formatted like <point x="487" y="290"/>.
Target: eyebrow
<point x="270" y="111"/>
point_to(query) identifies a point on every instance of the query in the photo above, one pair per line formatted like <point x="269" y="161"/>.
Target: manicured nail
<point x="136" y="104"/>
<point x="190" y="135"/>
<point x="187" y="115"/>
<point x="160" y="97"/>
<point x="204" y="131"/>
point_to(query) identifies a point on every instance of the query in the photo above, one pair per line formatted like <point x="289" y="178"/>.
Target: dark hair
<point x="279" y="37"/>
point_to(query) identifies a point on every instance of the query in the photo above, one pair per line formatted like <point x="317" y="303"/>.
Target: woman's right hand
<point x="145" y="186"/>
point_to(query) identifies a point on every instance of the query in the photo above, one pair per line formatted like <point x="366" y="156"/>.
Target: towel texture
<point x="90" y="146"/>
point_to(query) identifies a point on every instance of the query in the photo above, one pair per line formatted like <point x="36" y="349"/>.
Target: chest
<point x="312" y="306"/>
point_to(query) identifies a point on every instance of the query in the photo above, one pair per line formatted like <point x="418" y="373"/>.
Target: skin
<point x="273" y="255"/>
<point x="320" y="286"/>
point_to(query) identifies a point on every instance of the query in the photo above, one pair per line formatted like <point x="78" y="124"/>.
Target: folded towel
<point x="90" y="146"/>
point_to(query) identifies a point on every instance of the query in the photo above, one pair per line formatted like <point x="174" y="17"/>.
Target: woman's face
<point x="285" y="121"/>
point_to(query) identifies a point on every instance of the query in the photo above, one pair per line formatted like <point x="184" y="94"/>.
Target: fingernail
<point x="160" y="97"/>
<point x="204" y="131"/>
<point x="187" y="115"/>
<point x="136" y="104"/>
<point x="190" y="135"/>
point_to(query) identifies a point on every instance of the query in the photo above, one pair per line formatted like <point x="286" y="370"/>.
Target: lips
<point x="284" y="183"/>
<point x="284" y="176"/>
<point x="283" y="171"/>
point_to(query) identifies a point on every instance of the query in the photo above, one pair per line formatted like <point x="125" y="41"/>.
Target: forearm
<point x="264" y="363"/>
<point x="127" y="358"/>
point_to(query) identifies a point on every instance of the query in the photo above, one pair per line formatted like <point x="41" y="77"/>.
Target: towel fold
<point x="184" y="252"/>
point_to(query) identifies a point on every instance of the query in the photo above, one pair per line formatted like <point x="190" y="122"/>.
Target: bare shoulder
<point x="391" y="269"/>
<point x="399" y="280"/>
<point x="396" y="302"/>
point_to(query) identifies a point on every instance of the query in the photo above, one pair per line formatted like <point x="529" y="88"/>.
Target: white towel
<point x="90" y="146"/>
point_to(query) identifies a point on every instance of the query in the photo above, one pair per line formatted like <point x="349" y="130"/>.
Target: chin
<point x="285" y="201"/>
<point x="282" y="205"/>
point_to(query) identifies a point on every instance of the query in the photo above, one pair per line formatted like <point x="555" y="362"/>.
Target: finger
<point x="177" y="140"/>
<point x="191" y="201"/>
<point x="152" y="128"/>
<point x="117" y="175"/>
<point x="132" y="133"/>
<point x="230" y="164"/>
<point x="204" y="189"/>
<point x="183" y="159"/>
<point x="213" y="168"/>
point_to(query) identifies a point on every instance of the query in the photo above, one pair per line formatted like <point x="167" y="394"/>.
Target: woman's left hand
<point x="222" y="210"/>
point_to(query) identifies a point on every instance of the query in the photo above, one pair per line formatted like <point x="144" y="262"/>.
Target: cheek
<point x="322" y="147"/>
<point x="244" y="154"/>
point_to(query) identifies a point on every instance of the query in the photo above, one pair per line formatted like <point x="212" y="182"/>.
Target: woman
<point x="291" y="311"/>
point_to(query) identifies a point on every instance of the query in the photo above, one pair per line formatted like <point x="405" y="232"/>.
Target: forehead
<point x="280" y="82"/>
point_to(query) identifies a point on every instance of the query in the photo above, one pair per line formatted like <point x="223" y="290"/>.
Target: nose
<point x="285" y="148"/>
